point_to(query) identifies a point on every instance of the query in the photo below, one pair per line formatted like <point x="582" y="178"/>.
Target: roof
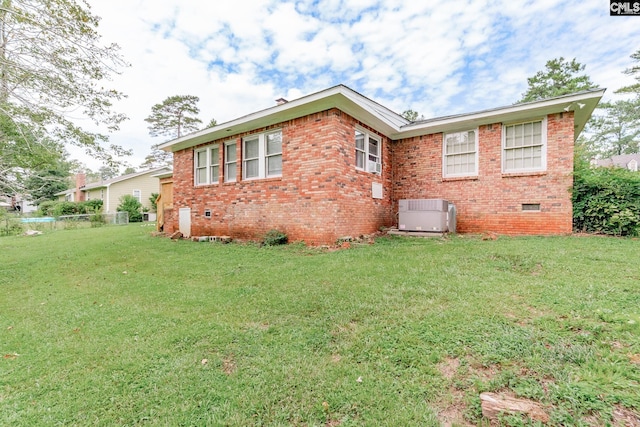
<point x="106" y="183"/>
<point x="621" y="161"/>
<point x="65" y="192"/>
<point x="387" y="121"/>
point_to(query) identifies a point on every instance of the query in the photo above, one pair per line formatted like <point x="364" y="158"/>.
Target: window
<point x="460" y="153"/>
<point x="230" y="159"/>
<point x="262" y="155"/>
<point x="524" y="147"/>
<point x="214" y="164"/>
<point x="137" y="194"/>
<point x="207" y="165"/>
<point x="368" y="150"/>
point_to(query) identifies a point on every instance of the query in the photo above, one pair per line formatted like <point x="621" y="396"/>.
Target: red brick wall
<point x="319" y="198"/>
<point x="492" y="201"/>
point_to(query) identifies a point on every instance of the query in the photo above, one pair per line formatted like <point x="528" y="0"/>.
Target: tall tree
<point x="107" y="172"/>
<point x="32" y="153"/>
<point x="211" y="124"/>
<point x="615" y="130"/>
<point x="559" y="77"/>
<point x="53" y="68"/>
<point x="412" y="115"/>
<point x="633" y="71"/>
<point x="52" y="65"/>
<point x="44" y="184"/>
<point x="174" y="117"/>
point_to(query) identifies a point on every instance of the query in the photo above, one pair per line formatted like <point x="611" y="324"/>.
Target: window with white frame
<point x="368" y="152"/>
<point x="207" y="165"/>
<point x="460" y="154"/>
<point x="524" y="146"/>
<point x="230" y="161"/>
<point x="262" y="155"/>
<point x="137" y="194"/>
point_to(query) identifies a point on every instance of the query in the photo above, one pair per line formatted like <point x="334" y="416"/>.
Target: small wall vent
<point x="424" y="215"/>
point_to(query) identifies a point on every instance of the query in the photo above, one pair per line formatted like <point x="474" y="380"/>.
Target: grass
<point x="111" y="326"/>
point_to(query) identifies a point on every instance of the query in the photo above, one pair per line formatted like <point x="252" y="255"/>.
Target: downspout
<point x="108" y="199"/>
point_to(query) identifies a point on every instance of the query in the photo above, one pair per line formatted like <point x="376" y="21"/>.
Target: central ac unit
<point x="423" y="215"/>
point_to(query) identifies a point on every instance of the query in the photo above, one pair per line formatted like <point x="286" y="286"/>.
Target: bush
<point x="66" y="208"/>
<point x="55" y="208"/>
<point x="606" y="200"/>
<point x="92" y="206"/>
<point x="9" y="223"/>
<point x="130" y="204"/>
<point x="152" y="200"/>
<point x="274" y="238"/>
<point x="46" y="208"/>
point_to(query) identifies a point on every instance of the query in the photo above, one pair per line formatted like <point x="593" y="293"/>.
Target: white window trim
<point x="228" y="178"/>
<point x="207" y="167"/>
<point x="543" y="154"/>
<point x="139" y="197"/>
<point x="369" y="166"/>
<point x="445" y="174"/>
<point x="262" y="158"/>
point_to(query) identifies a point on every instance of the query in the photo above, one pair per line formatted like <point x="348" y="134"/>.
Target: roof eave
<point x="340" y="97"/>
<point x="582" y="104"/>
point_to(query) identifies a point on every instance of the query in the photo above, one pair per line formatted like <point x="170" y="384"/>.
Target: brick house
<point x="335" y="163"/>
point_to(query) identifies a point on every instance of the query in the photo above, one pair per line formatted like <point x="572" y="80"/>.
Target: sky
<point x="435" y="57"/>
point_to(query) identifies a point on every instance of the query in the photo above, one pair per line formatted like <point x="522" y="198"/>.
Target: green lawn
<point x="112" y="326"/>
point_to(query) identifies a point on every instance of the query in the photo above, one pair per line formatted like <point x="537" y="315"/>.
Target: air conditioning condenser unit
<point x="424" y="215"/>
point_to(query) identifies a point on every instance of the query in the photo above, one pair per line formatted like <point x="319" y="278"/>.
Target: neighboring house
<point x="139" y="184"/>
<point x="18" y="203"/>
<point x="627" y="161"/>
<point x="336" y="163"/>
<point x="74" y="194"/>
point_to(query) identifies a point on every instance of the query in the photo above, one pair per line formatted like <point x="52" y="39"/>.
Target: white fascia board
<point x="340" y="97"/>
<point x="582" y="104"/>
<point x="386" y="121"/>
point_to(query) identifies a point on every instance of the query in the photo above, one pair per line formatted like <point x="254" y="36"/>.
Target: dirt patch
<point x="625" y="417"/>
<point x="229" y="364"/>
<point x="634" y="358"/>
<point x="449" y="367"/>
<point x="451" y="409"/>
<point x="453" y="416"/>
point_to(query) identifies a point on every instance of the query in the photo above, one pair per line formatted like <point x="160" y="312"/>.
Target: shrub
<point x="65" y="208"/>
<point x="92" y="206"/>
<point x="46" y="208"/>
<point x="56" y="208"/>
<point x="152" y="200"/>
<point x="606" y="200"/>
<point x="9" y="224"/>
<point x="275" y="237"/>
<point x="130" y="204"/>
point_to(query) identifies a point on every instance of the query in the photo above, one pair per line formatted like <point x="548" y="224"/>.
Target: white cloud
<point x="437" y="58"/>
